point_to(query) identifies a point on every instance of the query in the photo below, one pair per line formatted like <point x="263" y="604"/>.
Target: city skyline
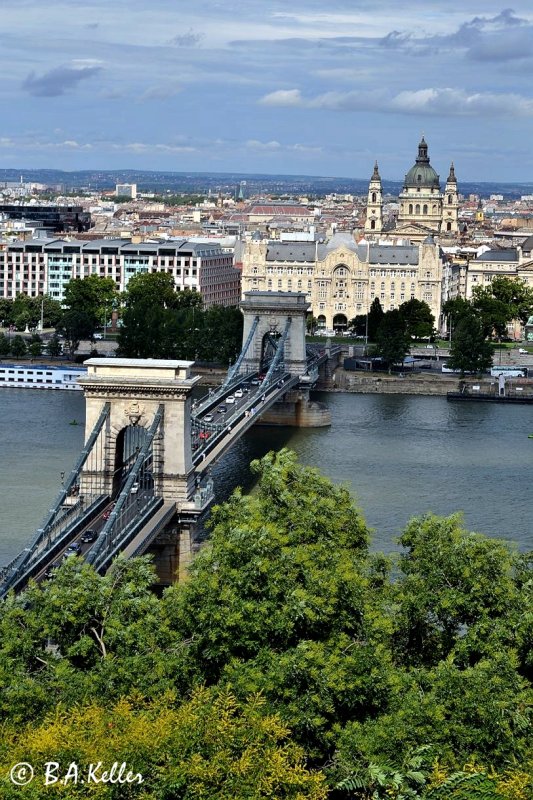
<point x="252" y="87"/>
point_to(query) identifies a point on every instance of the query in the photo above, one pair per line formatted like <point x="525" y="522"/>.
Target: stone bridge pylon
<point x="269" y="316"/>
<point x="137" y="391"/>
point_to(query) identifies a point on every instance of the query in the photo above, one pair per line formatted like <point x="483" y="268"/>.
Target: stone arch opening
<point x="448" y="226"/>
<point x="425" y="209"/>
<point x="128" y="443"/>
<point x="374" y="197"/>
<point x="417" y="209"/>
<point x="321" y="321"/>
<point x="268" y="348"/>
<point x="340" y="322"/>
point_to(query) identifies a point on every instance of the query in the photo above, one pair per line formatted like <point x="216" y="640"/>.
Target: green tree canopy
<point x="470" y="351"/>
<point x="392" y="341"/>
<point x="375" y="317"/>
<point x="94" y="296"/>
<point x="417" y="317"/>
<point x="501" y="302"/>
<point x="75" y="326"/>
<point x="159" y="322"/>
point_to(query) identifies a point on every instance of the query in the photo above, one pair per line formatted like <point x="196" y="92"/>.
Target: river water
<point x="399" y="455"/>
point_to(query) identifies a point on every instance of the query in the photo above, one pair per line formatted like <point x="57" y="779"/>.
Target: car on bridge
<point x="239" y="393"/>
<point x="208" y="418"/>
<point x="51" y="569"/>
<point x="204" y="435"/>
<point x="230" y="399"/>
<point x="222" y="409"/>
<point x="90" y="535"/>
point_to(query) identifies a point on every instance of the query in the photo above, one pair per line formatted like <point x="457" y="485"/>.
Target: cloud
<point x="457" y="102"/>
<point x="189" y="39"/>
<point x="160" y="92"/>
<point x="429" y="101"/>
<point x="254" y="144"/>
<point x="284" y="98"/>
<point x="60" y="80"/>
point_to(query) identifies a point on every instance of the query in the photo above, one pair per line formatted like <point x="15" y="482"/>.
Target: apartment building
<point x="45" y="266"/>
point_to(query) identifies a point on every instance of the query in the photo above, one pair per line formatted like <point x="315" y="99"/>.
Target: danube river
<point x="399" y="455"/>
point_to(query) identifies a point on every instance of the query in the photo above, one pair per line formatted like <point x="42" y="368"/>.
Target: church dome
<point x="422" y="173"/>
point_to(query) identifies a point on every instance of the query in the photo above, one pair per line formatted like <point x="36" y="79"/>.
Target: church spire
<point x="375" y="175"/>
<point x="451" y="176"/>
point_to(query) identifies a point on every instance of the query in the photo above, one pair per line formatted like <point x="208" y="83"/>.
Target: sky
<point x="305" y="87"/>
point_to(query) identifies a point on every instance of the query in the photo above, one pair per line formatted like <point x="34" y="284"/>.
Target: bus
<point x="509" y="371"/>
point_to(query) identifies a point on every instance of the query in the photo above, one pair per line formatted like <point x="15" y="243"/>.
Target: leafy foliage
<point x="470" y="352"/>
<point x="392" y="340"/>
<point x="289" y="647"/>
<point x="159" y="322"/>
<point x="208" y="747"/>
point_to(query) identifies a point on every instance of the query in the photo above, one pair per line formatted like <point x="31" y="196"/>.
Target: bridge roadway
<point x="223" y="417"/>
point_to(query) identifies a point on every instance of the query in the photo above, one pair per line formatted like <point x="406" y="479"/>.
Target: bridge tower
<point x="273" y="314"/>
<point x="137" y="391"/>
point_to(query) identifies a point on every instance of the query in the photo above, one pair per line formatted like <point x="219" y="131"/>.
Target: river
<point x="399" y="455"/>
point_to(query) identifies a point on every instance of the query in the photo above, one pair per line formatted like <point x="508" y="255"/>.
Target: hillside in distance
<point x="201" y="182"/>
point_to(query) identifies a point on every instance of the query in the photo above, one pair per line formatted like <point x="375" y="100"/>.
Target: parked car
<point x="98" y="335"/>
<point x="90" y="535"/>
<point x="523" y="351"/>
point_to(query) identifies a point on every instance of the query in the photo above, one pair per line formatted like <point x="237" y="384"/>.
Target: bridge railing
<point x="60" y="517"/>
<point x="136" y="493"/>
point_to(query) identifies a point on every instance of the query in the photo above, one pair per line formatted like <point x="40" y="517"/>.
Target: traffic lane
<point x="95" y="525"/>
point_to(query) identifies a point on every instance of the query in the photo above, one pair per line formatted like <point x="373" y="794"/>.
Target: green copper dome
<point x="422" y="173"/>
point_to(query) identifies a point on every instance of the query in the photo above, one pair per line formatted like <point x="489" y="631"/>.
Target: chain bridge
<point x="142" y="479"/>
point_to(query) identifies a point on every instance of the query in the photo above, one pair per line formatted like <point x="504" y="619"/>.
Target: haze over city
<point x="260" y="87"/>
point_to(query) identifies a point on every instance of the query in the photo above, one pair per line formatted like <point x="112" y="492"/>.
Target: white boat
<point x="41" y="376"/>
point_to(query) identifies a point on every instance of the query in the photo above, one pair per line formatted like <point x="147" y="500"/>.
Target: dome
<point x="422" y="173"/>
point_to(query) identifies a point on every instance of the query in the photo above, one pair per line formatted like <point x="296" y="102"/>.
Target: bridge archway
<point x="128" y="443"/>
<point x="136" y="391"/>
<point x="279" y="313"/>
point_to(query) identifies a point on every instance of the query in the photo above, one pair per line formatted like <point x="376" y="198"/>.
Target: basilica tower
<point x="450" y="210"/>
<point x="374" y="206"/>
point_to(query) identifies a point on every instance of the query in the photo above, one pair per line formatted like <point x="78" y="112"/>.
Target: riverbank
<point x="418" y="384"/>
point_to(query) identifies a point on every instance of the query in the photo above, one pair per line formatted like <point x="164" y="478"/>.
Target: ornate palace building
<point x="424" y="209"/>
<point x="341" y="278"/>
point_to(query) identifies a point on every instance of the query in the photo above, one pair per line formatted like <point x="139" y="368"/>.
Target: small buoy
<point x="74" y="422"/>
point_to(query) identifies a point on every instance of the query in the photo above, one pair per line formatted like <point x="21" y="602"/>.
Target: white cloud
<point x="255" y="144"/>
<point x="428" y="101"/>
<point x="283" y="97"/>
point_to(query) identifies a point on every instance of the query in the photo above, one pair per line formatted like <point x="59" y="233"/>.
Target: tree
<point x="35" y="349"/>
<point x="455" y="309"/>
<point x="75" y="326"/>
<point x="18" y="347"/>
<point x="358" y="324"/>
<point x="93" y="296"/>
<point x="375" y="316"/>
<point x="418" y="320"/>
<point x="211" y="746"/>
<point x="501" y="302"/>
<point x="392" y="341"/>
<point x="54" y="347"/>
<point x="469" y="351"/>
<point x="5" y="345"/>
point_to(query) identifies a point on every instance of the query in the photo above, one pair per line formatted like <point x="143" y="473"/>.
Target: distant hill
<point x="228" y="181"/>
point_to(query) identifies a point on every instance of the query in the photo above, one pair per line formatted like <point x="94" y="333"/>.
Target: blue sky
<point x="268" y="86"/>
